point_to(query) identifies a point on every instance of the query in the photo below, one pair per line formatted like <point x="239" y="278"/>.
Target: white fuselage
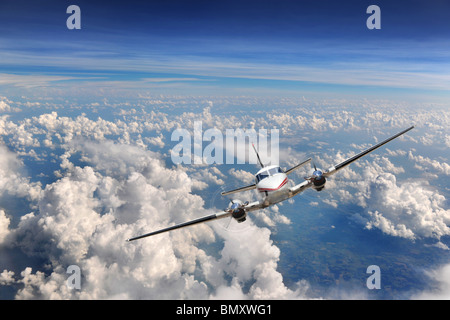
<point x="272" y="183"/>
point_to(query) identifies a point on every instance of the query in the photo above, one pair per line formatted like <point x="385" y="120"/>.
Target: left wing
<point x="345" y="163"/>
<point x="309" y="182"/>
<point x="300" y="187"/>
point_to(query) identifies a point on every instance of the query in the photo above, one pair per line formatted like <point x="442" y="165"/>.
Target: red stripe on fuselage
<point x="270" y="189"/>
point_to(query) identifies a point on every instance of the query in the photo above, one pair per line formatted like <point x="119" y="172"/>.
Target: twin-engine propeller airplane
<point x="271" y="182"/>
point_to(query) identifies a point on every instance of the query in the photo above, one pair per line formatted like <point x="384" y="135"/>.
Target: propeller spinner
<point x="317" y="178"/>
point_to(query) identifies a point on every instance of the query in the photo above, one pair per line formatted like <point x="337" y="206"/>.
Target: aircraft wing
<point x="250" y="187"/>
<point x="211" y="217"/>
<point x="226" y="213"/>
<point x="298" y="166"/>
<point x="300" y="187"/>
<point x="345" y="163"/>
<point x="256" y="205"/>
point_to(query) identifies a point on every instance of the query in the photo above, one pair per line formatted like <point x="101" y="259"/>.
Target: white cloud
<point x="156" y="141"/>
<point x="259" y="262"/>
<point x="12" y="179"/>
<point x="69" y="229"/>
<point x="208" y="176"/>
<point x="441" y="290"/>
<point x="30" y="81"/>
<point x="6" y="278"/>
<point x="242" y="175"/>
<point x="4" y="224"/>
<point x="442" y="168"/>
<point x="387" y="226"/>
<point x="412" y="209"/>
<point x="85" y="215"/>
<point x="4" y="107"/>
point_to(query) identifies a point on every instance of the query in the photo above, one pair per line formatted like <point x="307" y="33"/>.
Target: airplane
<point x="272" y="183"/>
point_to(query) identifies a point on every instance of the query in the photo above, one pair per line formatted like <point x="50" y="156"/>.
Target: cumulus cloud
<point x="209" y="176"/>
<point x="4" y="107"/>
<point x="4" y="224"/>
<point x="410" y="209"/>
<point x="242" y="175"/>
<point x="259" y="263"/>
<point x="441" y="168"/>
<point x="70" y="229"/>
<point x="85" y="216"/>
<point x="13" y="180"/>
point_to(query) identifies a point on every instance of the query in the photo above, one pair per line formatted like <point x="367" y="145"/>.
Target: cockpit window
<point x="267" y="173"/>
<point x="274" y="171"/>
<point x="262" y="176"/>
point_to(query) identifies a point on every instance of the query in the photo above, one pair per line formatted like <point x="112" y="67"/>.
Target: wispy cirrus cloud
<point x="404" y="66"/>
<point x="30" y="80"/>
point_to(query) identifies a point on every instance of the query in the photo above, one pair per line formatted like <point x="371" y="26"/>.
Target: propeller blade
<point x="229" y="221"/>
<point x="257" y="155"/>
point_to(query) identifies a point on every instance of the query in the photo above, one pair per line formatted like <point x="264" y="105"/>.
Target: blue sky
<point x="238" y="47"/>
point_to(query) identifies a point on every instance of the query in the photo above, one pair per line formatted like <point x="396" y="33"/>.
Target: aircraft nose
<point x="273" y="183"/>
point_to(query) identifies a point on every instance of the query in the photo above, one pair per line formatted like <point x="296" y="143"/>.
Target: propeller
<point x="257" y="155"/>
<point x="316" y="175"/>
<point x="317" y="178"/>
<point x="237" y="211"/>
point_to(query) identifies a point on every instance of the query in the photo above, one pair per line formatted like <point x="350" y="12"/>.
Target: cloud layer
<point x="109" y="185"/>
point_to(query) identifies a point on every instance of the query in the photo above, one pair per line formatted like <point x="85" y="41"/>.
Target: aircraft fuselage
<point x="272" y="183"/>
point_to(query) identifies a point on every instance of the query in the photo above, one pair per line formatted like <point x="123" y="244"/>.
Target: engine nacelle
<point x="318" y="180"/>
<point x="318" y="185"/>
<point x="237" y="212"/>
